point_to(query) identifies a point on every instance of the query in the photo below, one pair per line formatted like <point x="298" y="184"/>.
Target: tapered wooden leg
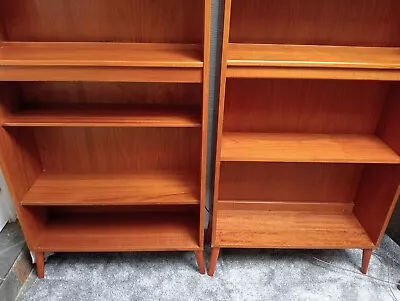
<point x="39" y="259"/>
<point x="200" y="261"/>
<point x="365" y="260"/>
<point x="213" y="261"/>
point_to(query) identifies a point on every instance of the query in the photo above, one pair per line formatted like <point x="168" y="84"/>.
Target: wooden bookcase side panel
<point x="220" y="122"/>
<point x="21" y="165"/>
<point x="205" y="113"/>
<point x="87" y="21"/>
<point x="376" y="197"/>
<point x="380" y="185"/>
<point x="344" y="23"/>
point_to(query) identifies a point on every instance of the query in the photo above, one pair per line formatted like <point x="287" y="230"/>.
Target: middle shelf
<point x="329" y="148"/>
<point x="108" y="62"/>
<point x="157" y="188"/>
<point x="313" y="61"/>
<point x="97" y="115"/>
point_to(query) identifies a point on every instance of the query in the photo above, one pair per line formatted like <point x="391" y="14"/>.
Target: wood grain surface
<point x="99" y="232"/>
<point x="106" y="116"/>
<point x="260" y="147"/>
<point x="304" y="106"/>
<point x="289" y="182"/>
<point x="140" y="21"/>
<point x="265" y="55"/>
<point x="289" y="229"/>
<point x="330" y="22"/>
<point x="52" y="189"/>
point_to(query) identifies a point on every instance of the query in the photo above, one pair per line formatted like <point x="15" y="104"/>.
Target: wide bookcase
<point x="309" y="125"/>
<point x="103" y="112"/>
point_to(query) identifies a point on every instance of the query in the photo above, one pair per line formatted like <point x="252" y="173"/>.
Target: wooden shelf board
<point x="100" y="54"/>
<point x="305" y="61"/>
<point x="52" y="189"/>
<point x="323" y="148"/>
<point x="106" y="116"/>
<point x="112" y="62"/>
<point x="118" y="232"/>
<point x="289" y="229"/>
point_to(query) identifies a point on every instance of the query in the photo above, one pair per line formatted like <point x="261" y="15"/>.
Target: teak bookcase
<point x="309" y="125"/>
<point x="103" y="111"/>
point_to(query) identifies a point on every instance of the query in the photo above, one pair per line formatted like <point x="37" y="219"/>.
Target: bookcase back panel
<point x="304" y="106"/>
<point x="141" y="21"/>
<point x="118" y="150"/>
<point x="328" y="22"/>
<point x="289" y="182"/>
<point x="48" y="93"/>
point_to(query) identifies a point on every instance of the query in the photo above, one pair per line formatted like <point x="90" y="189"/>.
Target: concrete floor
<point x="240" y="275"/>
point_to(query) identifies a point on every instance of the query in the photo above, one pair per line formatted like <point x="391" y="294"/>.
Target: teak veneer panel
<point x="52" y="189"/>
<point x="100" y="62"/>
<point x="118" y="232"/>
<point x="304" y="106"/>
<point x="140" y="21"/>
<point x="263" y="55"/>
<point x="328" y="22"/>
<point x="301" y="61"/>
<point x="261" y="147"/>
<point x="100" y="54"/>
<point x="289" y="229"/>
<point x="289" y="182"/>
<point x="106" y="116"/>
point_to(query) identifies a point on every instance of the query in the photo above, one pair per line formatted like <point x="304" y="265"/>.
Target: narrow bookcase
<point x="308" y="138"/>
<point x="103" y="112"/>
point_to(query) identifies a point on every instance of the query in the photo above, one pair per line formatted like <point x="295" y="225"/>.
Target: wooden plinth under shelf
<point x="289" y="229"/>
<point x="324" y="148"/>
<point x="102" y="232"/>
<point x="106" y="116"/>
<point x="52" y="189"/>
<point x="306" y="61"/>
<point x="100" y="62"/>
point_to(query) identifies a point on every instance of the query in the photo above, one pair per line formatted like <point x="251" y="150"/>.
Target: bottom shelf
<point x="289" y="229"/>
<point x="113" y="232"/>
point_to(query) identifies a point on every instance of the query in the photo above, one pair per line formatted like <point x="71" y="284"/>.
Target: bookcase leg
<point x="39" y="259"/>
<point x="213" y="261"/>
<point x="365" y="260"/>
<point x="200" y="261"/>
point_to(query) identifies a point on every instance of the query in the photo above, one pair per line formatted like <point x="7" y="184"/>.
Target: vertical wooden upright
<point x="308" y="139"/>
<point x="103" y="114"/>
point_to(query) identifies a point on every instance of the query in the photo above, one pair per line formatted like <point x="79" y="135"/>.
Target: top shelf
<point x="303" y="61"/>
<point x="100" y="62"/>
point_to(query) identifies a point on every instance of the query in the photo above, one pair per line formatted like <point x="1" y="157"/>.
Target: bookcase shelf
<point x="52" y="189"/>
<point x="330" y="148"/>
<point x="313" y="61"/>
<point x="106" y="116"/>
<point x="101" y="61"/>
<point x="102" y="232"/>
<point x="308" y="142"/>
<point x="289" y="229"/>
<point x="104" y="123"/>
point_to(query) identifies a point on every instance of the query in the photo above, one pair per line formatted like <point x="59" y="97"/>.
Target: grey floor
<point x="240" y="275"/>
